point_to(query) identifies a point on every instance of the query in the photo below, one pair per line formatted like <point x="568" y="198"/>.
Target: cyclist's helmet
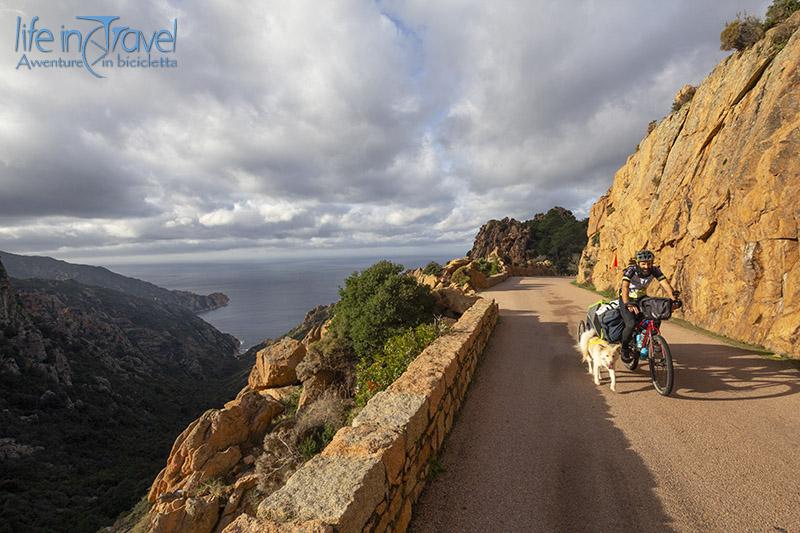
<point x="645" y="255"/>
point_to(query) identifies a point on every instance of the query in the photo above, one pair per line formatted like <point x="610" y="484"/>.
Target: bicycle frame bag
<point x="656" y="308"/>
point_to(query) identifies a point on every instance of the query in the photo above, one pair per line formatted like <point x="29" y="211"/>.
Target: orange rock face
<point x="275" y="365"/>
<point x="212" y="443"/>
<point x="714" y="191"/>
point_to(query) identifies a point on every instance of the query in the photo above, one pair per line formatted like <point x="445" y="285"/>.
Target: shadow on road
<point x="535" y="447"/>
<point x="714" y="372"/>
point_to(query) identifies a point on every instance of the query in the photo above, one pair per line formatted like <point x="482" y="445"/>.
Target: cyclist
<point x="635" y="279"/>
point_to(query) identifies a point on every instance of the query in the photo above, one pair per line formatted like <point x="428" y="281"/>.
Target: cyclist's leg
<point x="630" y="323"/>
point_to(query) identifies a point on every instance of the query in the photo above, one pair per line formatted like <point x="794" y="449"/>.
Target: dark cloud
<point x="338" y="124"/>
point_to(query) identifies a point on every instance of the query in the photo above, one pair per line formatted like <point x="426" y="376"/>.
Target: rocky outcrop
<point x="369" y="476"/>
<point x="39" y="267"/>
<point x="549" y="242"/>
<point x="23" y="347"/>
<point x="714" y="190"/>
<point x="452" y="302"/>
<point x="508" y="238"/>
<point x="211" y="449"/>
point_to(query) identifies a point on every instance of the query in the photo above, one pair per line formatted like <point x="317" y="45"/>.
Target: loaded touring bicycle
<point x="647" y="343"/>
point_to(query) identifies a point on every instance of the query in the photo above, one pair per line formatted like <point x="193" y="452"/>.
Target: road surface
<point x="538" y="447"/>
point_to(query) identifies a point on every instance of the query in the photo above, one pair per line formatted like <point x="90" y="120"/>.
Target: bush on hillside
<point x="330" y="355"/>
<point x="779" y="11"/>
<point x="460" y="276"/>
<point x="377" y="373"/>
<point x="781" y="35"/>
<point x="378" y="302"/>
<point x="487" y="267"/>
<point x="433" y="269"/>
<point x="287" y="447"/>
<point x="741" y="33"/>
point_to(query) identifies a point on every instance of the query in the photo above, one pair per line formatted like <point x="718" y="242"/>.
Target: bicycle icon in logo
<point x="92" y="51"/>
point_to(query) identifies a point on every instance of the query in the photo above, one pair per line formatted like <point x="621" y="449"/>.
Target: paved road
<point x="538" y="447"/>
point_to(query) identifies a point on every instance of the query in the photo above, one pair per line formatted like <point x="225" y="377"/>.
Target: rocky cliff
<point x="94" y="386"/>
<point x="27" y="266"/>
<point x="556" y="237"/>
<point x="714" y="190"/>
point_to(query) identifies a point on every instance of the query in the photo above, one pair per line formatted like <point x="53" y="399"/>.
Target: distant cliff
<point x="29" y="266"/>
<point x="714" y="190"/>
<point x="94" y="385"/>
<point x="556" y="236"/>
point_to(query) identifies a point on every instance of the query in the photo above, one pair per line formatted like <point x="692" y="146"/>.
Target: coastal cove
<point x="267" y="298"/>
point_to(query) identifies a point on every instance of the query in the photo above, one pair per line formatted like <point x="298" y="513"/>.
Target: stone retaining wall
<point x="372" y="472"/>
<point x="497" y="278"/>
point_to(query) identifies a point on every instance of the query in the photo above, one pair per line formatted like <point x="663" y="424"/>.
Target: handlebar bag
<point x="657" y="308"/>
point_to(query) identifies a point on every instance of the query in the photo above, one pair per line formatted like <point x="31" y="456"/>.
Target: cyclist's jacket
<point x="638" y="281"/>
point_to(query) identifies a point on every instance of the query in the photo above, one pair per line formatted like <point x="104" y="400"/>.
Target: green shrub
<point x="378" y="302"/>
<point x="781" y="35"/>
<point x="460" y="276"/>
<point x="316" y="442"/>
<point x="332" y="355"/>
<point x="779" y="11"/>
<point x="433" y="269"/>
<point x="741" y="33"/>
<point x="375" y="374"/>
<point x="487" y="267"/>
<point x="557" y="235"/>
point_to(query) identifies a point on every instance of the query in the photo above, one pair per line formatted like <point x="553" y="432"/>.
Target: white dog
<point x="599" y="353"/>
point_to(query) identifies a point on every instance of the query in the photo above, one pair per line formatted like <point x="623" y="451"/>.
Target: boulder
<point x="424" y="279"/>
<point x="195" y="515"/>
<point x="684" y="95"/>
<point x="314" y="386"/>
<point x="453" y="300"/>
<point x="477" y="279"/>
<point x="275" y="365"/>
<point x="281" y="394"/>
<point x="248" y="524"/>
<point x="454" y="265"/>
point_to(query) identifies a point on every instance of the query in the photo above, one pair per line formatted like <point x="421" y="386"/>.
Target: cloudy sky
<point x="341" y="125"/>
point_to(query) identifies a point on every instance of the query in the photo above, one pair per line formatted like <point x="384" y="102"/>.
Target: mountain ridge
<point x="45" y="267"/>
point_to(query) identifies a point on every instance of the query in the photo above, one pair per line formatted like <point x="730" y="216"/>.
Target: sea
<point x="267" y="298"/>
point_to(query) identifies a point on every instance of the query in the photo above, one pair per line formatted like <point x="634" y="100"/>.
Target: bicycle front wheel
<point x="661" y="370"/>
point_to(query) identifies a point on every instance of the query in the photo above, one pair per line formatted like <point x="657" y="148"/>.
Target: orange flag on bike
<point x="616" y="264"/>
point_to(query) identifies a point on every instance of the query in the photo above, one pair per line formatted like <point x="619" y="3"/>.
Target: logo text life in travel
<point x="96" y="46"/>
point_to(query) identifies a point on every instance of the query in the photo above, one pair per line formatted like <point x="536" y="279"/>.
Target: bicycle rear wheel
<point x="661" y="370"/>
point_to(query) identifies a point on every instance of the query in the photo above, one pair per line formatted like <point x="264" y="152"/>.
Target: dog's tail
<point x="583" y="343"/>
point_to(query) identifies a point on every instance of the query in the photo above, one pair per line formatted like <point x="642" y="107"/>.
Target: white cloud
<point x="350" y="123"/>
